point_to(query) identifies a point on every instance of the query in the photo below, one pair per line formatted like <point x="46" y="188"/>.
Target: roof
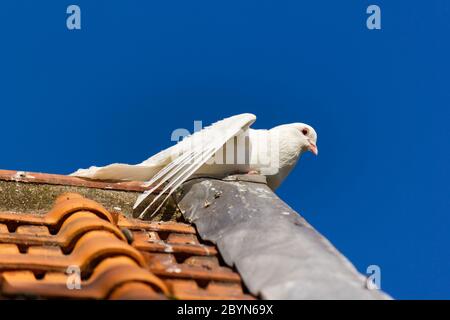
<point x="230" y="238"/>
<point x="278" y="254"/>
<point x="65" y="237"/>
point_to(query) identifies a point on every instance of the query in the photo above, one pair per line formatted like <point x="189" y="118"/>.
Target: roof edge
<point x="57" y="179"/>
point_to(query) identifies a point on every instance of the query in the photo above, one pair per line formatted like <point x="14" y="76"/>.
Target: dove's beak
<point x="313" y="148"/>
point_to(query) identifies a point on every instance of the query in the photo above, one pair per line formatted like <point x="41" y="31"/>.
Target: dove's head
<point x="293" y="140"/>
<point x="304" y="135"/>
<point x="309" y="137"/>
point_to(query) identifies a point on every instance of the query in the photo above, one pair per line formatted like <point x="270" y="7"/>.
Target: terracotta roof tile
<point x="135" y="224"/>
<point x="134" y="291"/>
<point x="118" y="257"/>
<point x="109" y="274"/>
<point x="166" y="265"/>
<point x="190" y="290"/>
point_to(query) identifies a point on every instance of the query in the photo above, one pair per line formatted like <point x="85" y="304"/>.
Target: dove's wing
<point x="190" y="154"/>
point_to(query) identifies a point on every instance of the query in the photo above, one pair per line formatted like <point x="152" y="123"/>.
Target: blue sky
<point x="379" y="100"/>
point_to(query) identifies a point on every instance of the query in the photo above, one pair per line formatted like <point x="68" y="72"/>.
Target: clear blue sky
<point x="380" y="101"/>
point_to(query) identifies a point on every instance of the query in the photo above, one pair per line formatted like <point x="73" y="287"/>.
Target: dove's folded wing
<point x="189" y="155"/>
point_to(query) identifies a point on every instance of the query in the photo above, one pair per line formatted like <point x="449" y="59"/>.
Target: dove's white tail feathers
<point x="119" y="171"/>
<point x="195" y="151"/>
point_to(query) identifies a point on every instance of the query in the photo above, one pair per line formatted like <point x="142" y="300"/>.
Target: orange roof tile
<point x="117" y="257"/>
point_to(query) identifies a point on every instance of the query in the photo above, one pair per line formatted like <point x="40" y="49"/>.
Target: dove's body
<point x="261" y="144"/>
<point x="227" y="147"/>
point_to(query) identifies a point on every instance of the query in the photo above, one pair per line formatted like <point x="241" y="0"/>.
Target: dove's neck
<point x="291" y="146"/>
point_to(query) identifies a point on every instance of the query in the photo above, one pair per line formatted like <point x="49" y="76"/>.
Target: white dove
<point x="226" y="147"/>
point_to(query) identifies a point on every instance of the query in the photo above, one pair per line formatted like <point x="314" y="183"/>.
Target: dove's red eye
<point x="305" y="131"/>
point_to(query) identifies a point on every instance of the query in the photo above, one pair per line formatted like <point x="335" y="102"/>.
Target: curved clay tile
<point x="118" y="257"/>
